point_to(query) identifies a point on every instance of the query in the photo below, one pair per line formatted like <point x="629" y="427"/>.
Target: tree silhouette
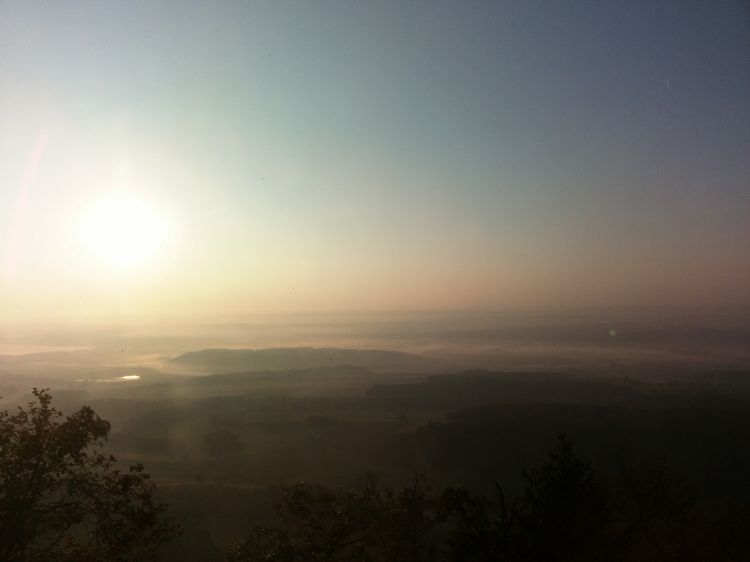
<point x="367" y="524"/>
<point x="560" y="515"/>
<point x="564" y="512"/>
<point x="62" y="499"/>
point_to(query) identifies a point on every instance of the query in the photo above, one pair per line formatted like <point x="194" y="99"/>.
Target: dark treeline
<point x="565" y="512"/>
<point x="667" y="464"/>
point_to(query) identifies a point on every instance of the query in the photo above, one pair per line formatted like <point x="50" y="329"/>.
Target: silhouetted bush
<point x="61" y="499"/>
<point x="565" y="514"/>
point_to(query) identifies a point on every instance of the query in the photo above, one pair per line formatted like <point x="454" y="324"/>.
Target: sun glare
<point x="123" y="231"/>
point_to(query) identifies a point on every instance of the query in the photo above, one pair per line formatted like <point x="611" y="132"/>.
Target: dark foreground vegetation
<point x="61" y="499"/>
<point x="646" y="471"/>
<point x="565" y="513"/>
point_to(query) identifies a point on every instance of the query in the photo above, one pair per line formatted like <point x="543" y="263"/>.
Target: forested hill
<point x="283" y="358"/>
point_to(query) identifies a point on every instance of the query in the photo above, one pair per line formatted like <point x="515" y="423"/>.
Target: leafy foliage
<point x="564" y="514"/>
<point x="560" y="516"/>
<point x="559" y="512"/>
<point x="369" y="523"/>
<point x="62" y="499"/>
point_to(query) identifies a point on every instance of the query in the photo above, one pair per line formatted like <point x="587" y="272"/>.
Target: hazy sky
<point x="302" y="156"/>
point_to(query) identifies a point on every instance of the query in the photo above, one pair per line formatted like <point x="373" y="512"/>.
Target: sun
<point x="123" y="231"/>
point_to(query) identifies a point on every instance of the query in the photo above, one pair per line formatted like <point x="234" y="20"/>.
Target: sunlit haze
<point x="219" y="159"/>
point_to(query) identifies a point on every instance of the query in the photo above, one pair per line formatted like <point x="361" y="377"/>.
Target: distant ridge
<point x="285" y="358"/>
